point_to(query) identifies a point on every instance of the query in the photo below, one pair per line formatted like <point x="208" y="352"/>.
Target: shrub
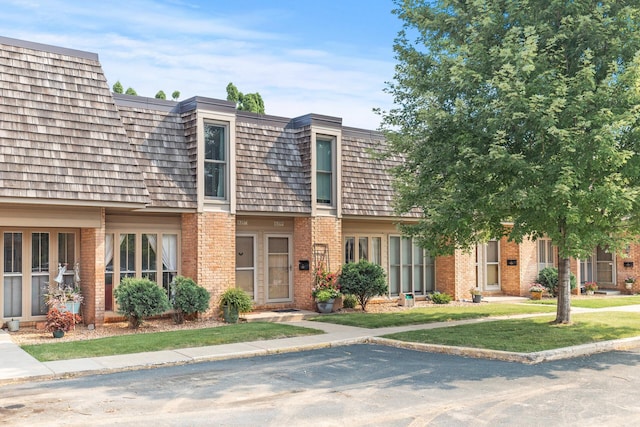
<point x="349" y="301"/>
<point x="440" y="298"/>
<point x="187" y="298"/>
<point x="140" y="298"/>
<point x="364" y="280"/>
<point x="548" y="277"/>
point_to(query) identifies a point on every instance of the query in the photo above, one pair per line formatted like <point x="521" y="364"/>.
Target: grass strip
<point x="595" y="302"/>
<point x="530" y="334"/>
<point x="137" y="343"/>
<point x="431" y="315"/>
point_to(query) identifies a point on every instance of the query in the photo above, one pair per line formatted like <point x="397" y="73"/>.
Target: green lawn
<point x="531" y="334"/>
<point x="136" y="343"/>
<point x="596" y="301"/>
<point x="431" y="314"/>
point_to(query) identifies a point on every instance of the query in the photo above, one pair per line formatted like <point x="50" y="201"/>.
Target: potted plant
<point x="65" y="298"/>
<point x="60" y="321"/>
<point x="590" y="287"/>
<point x="629" y="281"/>
<point x="233" y="302"/>
<point x="476" y="294"/>
<point x="326" y="289"/>
<point x="536" y="291"/>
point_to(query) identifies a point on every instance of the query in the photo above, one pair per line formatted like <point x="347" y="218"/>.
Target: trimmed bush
<point x="349" y="301"/>
<point x="187" y="298"/>
<point x="364" y="280"/>
<point x="548" y="277"/>
<point x="140" y="298"/>
<point x="440" y="298"/>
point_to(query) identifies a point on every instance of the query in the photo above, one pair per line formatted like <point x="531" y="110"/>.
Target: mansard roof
<point x="61" y="137"/>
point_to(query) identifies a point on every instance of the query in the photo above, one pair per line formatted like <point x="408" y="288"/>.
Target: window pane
<point x="492" y="251"/>
<point x="149" y="257"/>
<point x="323" y="155"/>
<point x="244" y="252"/>
<point x="492" y="274"/>
<point x="349" y="255"/>
<point x="214" y="179"/>
<point x="127" y="255"/>
<point x="394" y="250"/>
<point x="376" y="250"/>
<point x="244" y="281"/>
<point x="323" y="183"/>
<point x="394" y="265"/>
<point x="67" y="249"/>
<point x="214" y="143"/>
<point x="363" y="249"/>
<point x="13" y="275"/>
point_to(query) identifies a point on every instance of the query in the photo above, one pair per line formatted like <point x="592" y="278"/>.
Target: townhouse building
<point x="113" y="186"/>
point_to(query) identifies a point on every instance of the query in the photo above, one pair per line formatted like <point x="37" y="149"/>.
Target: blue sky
<point x="329" y="57"/>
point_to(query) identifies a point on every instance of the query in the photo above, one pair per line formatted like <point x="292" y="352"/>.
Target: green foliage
<point x="349" y="301"/>
<point x="131" y="91"/>
<point x="187" y="298"/>
<point x="175" y="95"/>
<point x="518" y="113"/>
<point x="161" y="95"/>
<point x="117" y="87"/>
<point x="548" y="277"/>
<point x="140" y="298"/>
<point x="237" y="298"/>
<point x="245" y="102"/>
<point x="440" y="298"/>
<point x="364" y="280"/>
<point x="325" y="294"/>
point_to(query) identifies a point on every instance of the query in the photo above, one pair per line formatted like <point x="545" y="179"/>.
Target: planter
<point x="590" y="292"/>
<point x="325" y="306"/>
<point x="13" y="325"/>
<point x="73" y="307"/>
<point x="58" y="333"/>
<point x="536" y="295"/>
<point x="477" y="298"/>
<point x="230" y="313"/>
<point x="628" y="285"/>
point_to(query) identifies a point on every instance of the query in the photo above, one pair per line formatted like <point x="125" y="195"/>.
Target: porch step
<point x="607" y="292"/>
<point x="278" y="316"/>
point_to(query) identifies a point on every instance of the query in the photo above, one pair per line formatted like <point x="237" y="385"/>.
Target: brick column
<point x="92" y="273"/>
<point x="208" y="253"/>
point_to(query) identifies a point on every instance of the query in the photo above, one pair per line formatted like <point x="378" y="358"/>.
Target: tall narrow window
<point x="245" y="264"/>
<point x="169" y="259"/>
<point x="215" y="161"/>
<point x="324" y="175"/>
<point x="12" y="274"/>
<point x="149" y="257"/>
<point x="39" y="272"/>
<point x="127" y="255"/>
<point x="108" y="272"/>
<point x="545" y="254"/>
<point x="67" y="256"/>
<point x="349" y="255"/>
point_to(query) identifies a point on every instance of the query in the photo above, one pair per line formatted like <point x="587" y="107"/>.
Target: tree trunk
<point x="563" y="314"/>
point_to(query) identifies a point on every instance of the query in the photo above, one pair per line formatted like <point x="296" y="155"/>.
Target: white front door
<point x="488" y="266"/>
<point x="279" y="268"/>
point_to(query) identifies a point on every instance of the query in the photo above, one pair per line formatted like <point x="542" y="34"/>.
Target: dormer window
<point x="324" y="171"/>
<point x="215" y="161"/>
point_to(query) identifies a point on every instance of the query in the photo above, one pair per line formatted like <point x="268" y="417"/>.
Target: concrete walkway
<point x="17" y="366"/>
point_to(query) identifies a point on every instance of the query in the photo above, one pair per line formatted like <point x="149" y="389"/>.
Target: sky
<point x="330" y="57"/>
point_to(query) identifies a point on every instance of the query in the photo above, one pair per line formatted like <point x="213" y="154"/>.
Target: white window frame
<point x="255" y="262"/>
<point x="425" y="267"/>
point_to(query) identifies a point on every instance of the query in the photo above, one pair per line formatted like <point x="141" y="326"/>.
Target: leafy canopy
<point x="524" y="112"/>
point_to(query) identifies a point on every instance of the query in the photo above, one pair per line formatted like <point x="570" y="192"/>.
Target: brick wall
<point x="509" y="274"/>
<point x="446" y="274"/>
<point x="302" y="250"/>
<point x="208" y="253"/>
<point x="92" y="273"/>
<point x="528" y="265"/>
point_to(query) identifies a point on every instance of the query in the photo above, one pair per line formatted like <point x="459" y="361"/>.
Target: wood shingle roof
<point x="271" y="173"/>
<point x="61" y="137"/>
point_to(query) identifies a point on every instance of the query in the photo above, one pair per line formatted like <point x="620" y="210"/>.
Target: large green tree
<point x="245" y="102"/>
<point x="518" y="119"/>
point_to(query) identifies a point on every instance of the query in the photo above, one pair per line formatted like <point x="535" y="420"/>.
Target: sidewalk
<point x="17" y="365"/>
